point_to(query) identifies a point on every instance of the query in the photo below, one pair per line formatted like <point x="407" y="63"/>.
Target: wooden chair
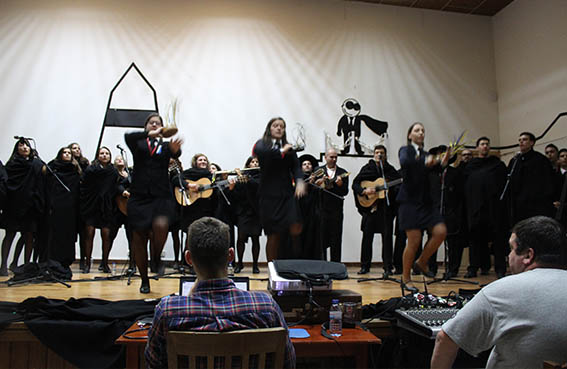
<point x="242" y="344"/>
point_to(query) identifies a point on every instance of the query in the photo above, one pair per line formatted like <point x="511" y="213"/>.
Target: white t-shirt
<point x="523" y="317"/>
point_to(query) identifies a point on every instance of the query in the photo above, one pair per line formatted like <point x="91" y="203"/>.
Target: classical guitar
<point x="330" y="182"/>
<point x="368" y="200"/>
<point x="186" y="197"/>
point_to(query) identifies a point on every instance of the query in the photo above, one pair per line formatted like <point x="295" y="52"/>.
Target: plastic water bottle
<point x="335" y="319"/>
<point x="230" y="269"/>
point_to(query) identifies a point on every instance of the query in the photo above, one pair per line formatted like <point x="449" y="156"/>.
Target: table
<point x="353" y="342"/>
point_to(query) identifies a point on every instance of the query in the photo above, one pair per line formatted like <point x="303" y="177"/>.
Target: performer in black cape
<point x="98" y="190"/>
<point x="416" y="211"/>
<point x="560" y="207"/>
<point x="119" y="217"/>
<point x="202" y="207"/>
<point x="25" y="200"/>
<point x="83" y="163"/>
<point x="63" y="207"/>
<point x="247" y="219"/>
<point x="279" y="167"/>
<point x="378" y="218"/>
<point x="331" y="207"/>
<point x="485" y="177"/>
<point x="310" y="246"/>
<point x="532" y="184"/>
<point x="150" y="205"/>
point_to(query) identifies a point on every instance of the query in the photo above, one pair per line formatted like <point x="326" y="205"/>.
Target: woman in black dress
<point x="83" y="163"/>
<point x="247" y="219"/>
<point x="98" y="189"/>
<point x="24" y="199"/>
<point x="416" y="211"/>
<point x="150" y="206"/>
<point x="63" y="207"/>
<point x="279" y="167"/>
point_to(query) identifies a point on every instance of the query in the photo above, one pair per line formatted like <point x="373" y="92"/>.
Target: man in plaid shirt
<point x="214" y="304"/>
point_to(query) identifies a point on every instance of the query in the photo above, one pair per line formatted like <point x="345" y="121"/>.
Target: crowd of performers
<point x="295" y="201"/>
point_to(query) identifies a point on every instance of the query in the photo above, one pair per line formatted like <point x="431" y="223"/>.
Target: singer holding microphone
<point x="416" y="211"/>
<point x="279" y="168"/>
<point x="150" y="206"/>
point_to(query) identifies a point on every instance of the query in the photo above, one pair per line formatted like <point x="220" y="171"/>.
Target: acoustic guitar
<point x="185" y="197"/>
<point x="368" y="200"/>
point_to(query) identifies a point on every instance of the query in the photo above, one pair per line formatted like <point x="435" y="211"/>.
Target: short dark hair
<point x="562" y="150"/>
<point x="545" y="236"/>
<point x="209" y="241"/>
<point x="552" y="146"/>
<point x="483" y="138"/>
<point x="376" y="147"/>
<point x="530" y="135"/>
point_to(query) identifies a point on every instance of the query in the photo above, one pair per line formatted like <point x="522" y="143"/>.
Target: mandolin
<point x="185" y="197"/>
<point x="330" y="182"/>
<point x="368" y="200"/>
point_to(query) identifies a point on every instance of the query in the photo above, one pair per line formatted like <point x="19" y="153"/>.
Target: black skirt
<point x="277" y="213"/>
<point x="418" y="216"/>
<point x="142" y="210"/>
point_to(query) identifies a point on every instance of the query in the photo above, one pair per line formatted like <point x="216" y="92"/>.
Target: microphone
<point x="119" y="147"/>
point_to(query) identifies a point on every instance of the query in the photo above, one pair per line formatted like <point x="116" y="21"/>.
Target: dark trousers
<point x="332" y="235"/>
<point x="387" y="247"/>
<point x="455" y="245"/>
<point x="479" y="255"/>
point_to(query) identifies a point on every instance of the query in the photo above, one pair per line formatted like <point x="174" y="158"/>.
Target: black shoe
<point x="104" y="268"/>
<point x="449" y="275"/>
<point x="87" y="268"/>
<point x="470" y="274"/>
<point x="145" y="287"/>
<point x="419" y="269"/>
<point x="238" y="268"/>
<point x="363" y="270"/>
<point x="255" y="269"/>
<point x="484" y="272"/>
<point x="100" y="268"/>
<point x="387" y="274"/>
<point x="411" y="289"/>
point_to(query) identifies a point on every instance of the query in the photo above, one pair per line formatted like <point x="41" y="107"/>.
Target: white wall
<point x="530" y="39"/>
<point x="235" y="64"/>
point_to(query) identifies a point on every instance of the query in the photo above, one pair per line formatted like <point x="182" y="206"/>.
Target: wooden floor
<point x="83" y="286"/>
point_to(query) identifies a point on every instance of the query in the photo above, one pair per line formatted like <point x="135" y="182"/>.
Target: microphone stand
<point x="385" y="276"/>
<point x="445" y="244"/>
<point x="509" y="176"/>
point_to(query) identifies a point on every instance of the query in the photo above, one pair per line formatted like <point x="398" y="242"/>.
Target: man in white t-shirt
<point x="521" y="317"/>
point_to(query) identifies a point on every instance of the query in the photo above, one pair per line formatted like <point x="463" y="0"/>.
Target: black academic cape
<point x="25" y="201"/>
<point x="532" y="186"/>
<point x="203" y="207"/>
<point x="98" y="190"/>
<point x="310" y="231"/>
<point x="484" y="181"/>
<point x="3" y="180"/>
<point x="245" y="197"/>
<point x="62" y="211"/>
<point x="375" y="220"/>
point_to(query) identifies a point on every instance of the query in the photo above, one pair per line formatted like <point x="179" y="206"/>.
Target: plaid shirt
<point x="214" y="305"/>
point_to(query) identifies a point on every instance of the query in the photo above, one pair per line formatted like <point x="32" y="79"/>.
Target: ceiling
<point x="476" y="7"/>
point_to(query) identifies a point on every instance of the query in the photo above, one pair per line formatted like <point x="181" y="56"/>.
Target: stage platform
<point x="117" y="289"/>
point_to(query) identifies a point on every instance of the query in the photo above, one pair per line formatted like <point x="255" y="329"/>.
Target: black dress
<point x="25" y="200"/>
<point x="150" y="192"/>
<point x="416" y="209"/>
<point x="278" y="208"/>
<point x="98" y="190"/>
<point x="63" y="211"/>
<point x="246" y="207"/>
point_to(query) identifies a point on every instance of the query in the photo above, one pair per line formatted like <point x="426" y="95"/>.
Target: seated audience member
<point x="214" y="304"/>
<point x="518" y="316"/>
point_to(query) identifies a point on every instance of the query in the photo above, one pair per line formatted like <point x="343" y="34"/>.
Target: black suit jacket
<point x="150" y="176"/>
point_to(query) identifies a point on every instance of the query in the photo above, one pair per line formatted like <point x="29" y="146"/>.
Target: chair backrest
<point x="224" y="347"/>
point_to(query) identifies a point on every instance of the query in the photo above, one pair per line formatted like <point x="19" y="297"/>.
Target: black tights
<point x="241" y="246"/>
<point x="7" y="245"/>
<point x="140" y="239"/>
<point x="106" y="243"/>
